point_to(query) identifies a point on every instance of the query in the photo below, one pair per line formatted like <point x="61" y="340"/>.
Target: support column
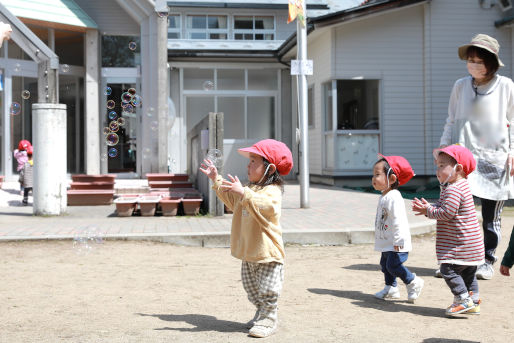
<point x="92" y="115"/>
<point x="162" y="91"/>
<point x="49" y="141"/>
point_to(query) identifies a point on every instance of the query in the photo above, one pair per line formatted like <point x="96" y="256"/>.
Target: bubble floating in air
<point x="112" y="139"/>
<point x="15" y="108"/>
<point x="25" y="94"/>
<point x="111" y="104"/>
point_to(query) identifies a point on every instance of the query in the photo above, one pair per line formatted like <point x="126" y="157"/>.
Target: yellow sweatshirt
<point x="256" y="234"/>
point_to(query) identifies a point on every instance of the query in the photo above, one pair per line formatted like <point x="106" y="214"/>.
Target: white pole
<point x="301" y="37"/>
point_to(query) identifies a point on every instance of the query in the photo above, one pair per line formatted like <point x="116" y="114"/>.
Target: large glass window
<point x="121" y="51"/>
<point x="357" y="105"/>
<point x="261" y="117"/>
<point x="254" y="27"/>
<point x="174" y="26"/>
<point x="233" y="109"/>
<point x="207" y="27"/>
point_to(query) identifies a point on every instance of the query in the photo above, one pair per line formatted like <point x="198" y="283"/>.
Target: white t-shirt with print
<point x="391" y="224"/>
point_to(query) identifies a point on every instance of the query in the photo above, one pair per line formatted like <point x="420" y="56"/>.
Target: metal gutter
<point x="239" y="5"/>
<point x="509" y="21"/>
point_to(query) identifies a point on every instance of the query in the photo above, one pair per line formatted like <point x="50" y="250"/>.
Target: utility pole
<point x="301" y="42"/>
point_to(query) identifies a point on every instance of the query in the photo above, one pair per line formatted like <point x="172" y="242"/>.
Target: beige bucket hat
<point x="482" y="41"/>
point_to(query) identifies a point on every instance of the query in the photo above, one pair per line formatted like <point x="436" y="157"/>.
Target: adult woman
<point x="480" y="114"/>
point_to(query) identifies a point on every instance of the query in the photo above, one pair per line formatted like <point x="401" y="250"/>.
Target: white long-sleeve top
<point x="482" y="123"/>
<point x="391" y="224"/>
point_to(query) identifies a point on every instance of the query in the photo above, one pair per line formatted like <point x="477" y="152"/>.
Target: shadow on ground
<point x="419" y="271"/>
<point x="369" y="301"/>
<point x="200" y="322"/>
<point x="446" y="340"/>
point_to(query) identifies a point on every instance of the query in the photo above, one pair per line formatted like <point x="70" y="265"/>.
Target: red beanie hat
<point x="274" y="151"/>
<point x="461" y="154"/>
<point x="401" y="168"/>
<point x="23" y="145"/>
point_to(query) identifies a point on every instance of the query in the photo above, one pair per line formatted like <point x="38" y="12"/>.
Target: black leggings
<point x="491" y="216"/>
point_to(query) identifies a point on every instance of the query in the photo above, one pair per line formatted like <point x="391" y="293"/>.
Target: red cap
<point x="23" y="145"/>
<point x="30" y="150"/>
<point x="462" y="155"/>
<point x="401" y="168"/>
<point x="274" y="151"/>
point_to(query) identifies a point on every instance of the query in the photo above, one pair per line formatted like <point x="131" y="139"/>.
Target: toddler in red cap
<point x="459" y="241"/>
<point x="392" y="233"/>
<point x="256" y="235"/>
<point x="21" y="157"/>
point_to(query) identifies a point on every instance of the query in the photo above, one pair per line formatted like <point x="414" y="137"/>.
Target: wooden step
<point x="170" y="184"/>
<point x="166" y="177"/>
<point x="92" y="185"/>
<point x="93" y="177"/>
<point x="90" y="197"/>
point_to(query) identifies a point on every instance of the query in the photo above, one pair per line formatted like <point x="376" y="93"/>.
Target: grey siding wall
<point x="110" y="17"/>
<point x="389" y="48"/>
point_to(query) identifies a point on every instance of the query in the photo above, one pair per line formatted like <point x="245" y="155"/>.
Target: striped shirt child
<point x="459" y="237"/>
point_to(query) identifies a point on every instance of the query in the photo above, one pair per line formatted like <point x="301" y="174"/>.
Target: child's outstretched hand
<point x="420" y="206"/>
<point x="234" y="185"/>
<point x="209" y="169"/>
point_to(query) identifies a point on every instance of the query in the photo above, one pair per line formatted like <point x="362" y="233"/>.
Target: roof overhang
<point x="262" y="4"/>
<point x="505" y="22"/>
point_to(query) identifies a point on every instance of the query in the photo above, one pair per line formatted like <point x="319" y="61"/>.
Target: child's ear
<point x="392" y="178"/>
<point x="459" y="168"/>
<point x="272" y="169"/>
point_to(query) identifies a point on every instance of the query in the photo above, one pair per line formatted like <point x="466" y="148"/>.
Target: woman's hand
<point x="234" y="185"/>
<point x="504" y="270"/>
<point x="420" y="206"/>
<point x="510" y="164"/>
<point x="209" y="169"/>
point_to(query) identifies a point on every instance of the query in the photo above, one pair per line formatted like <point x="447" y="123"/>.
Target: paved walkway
<point x="336" y="216"/>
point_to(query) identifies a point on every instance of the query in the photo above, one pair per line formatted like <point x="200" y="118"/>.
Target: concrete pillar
<point x="92" y="115"/>
<point x="49" y="141"/>
<point x="162" y="90"/>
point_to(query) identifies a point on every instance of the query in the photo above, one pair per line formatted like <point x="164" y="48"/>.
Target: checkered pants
<point x="263" y="284"/>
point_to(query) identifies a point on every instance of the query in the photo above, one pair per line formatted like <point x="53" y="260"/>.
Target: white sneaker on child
<point x="485" y="271"/>
<point x="264" y="328"/>
<point x="389" y="292"/>
<point x="251" y="323"/>
<point x="414" y="288"/>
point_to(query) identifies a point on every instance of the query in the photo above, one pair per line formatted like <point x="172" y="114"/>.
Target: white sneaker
<point x="438" y="273"/>
<point x="414" y="288"/>
<point x="251" y="323"/>
<point x="389" y="292"/>
<point x="264" y="328"/>
<point x="485" y="271"/>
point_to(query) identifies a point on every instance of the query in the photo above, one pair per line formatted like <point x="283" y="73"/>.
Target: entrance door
<point x="120" y="127"/>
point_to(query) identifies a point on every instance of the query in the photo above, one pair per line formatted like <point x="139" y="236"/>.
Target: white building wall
<point x="320" y="51"/>
<point x="454" y="23"/>
<point x="389" y="47"/>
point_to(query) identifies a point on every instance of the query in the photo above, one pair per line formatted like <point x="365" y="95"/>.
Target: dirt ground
<point x="126" y="291"/>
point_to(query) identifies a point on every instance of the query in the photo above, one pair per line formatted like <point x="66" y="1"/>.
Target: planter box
<point x="148" y="204"/>
<point x="125" y="206"/>
<point x="92" y="185"/>
<point x="191" y="206"/>
<point x="169" y="205"/>
<point x="90" y="197"/>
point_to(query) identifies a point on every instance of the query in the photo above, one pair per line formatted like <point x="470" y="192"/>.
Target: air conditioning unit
<point x="504" y="5"/>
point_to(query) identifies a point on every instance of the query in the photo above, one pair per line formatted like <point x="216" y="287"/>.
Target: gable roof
<point x="66" y="13"/>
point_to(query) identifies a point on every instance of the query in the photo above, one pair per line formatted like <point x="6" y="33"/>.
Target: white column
<point x="49" y="141"/>
<point x="92" y="114"/>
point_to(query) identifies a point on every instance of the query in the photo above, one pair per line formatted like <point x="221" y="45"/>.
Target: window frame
<point x="207" y="31"/>
<point x="178" y="29"/>
<point x="253" y="31"/>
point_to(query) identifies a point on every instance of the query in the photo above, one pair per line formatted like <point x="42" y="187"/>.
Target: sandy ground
<point x="149" y="292"/>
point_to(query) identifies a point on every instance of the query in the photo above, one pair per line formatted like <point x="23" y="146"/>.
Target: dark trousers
<point x="461" y="279"/>
<point x="491" y="216"/>
<point x="392" y="267"/>
<point x="26" y="191"/>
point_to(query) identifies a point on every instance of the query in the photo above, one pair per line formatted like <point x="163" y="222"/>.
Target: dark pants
<point x="491" y="216"/>
<point x="461" y="279"/>
<point x="392" y="267"/>
<point x="26" y="191"/>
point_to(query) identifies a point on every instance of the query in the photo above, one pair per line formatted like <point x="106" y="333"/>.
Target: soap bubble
<point x="126" y="97"/>
<point x="65" y="68"/>
<point x="104" y="157"/>
<point x="208" y="85"/>
<point x="132" y="46"/>
<point x="112" y="139"/>
<point x="113" y="152"/>
<point x="112" y="115"/>
<point x="154" y="125"/>
<point x="146" y="153"/>
<point x="150" y="111"/>
<point x="114" y="126"/>
<point x="136" y="100"/>
<point x="25" y="94"/>
<point x="106" y="130"/>
<point x="121" y="121"/>
<point x="86" y="239"/>
<point x="111" y="104"/>
<point x="107" y="90"/>
<point x="129" y="109"/>
<point x="132" y="91"/>
<point x="15" y="108"/>
<point x="216" y="157"/>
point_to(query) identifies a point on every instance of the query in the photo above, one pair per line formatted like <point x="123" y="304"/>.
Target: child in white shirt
<point x="392" y="233"/>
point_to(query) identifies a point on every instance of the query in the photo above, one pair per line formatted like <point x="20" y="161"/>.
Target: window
<point x="310" y="108"/>
<point x="207" y="27"/>
<point x="113" y="45"/>
<point x="174" y="26"/>
<point x="254" y="27"/>
<point x="357" y="105"/>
